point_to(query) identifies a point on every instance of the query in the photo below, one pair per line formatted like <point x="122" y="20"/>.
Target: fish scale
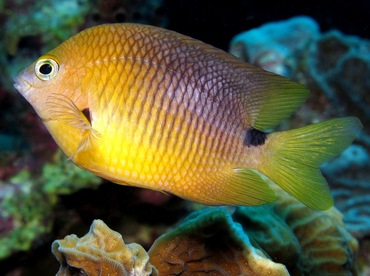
<point x="148" y="107"/>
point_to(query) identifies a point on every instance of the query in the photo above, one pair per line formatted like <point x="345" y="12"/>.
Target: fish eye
<point x="46" y="69"/>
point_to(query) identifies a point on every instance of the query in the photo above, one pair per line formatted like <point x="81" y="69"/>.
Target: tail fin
<point x="292" y="158"/>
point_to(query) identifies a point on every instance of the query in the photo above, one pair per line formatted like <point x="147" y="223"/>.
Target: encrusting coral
<point x="209" y="242"/>
<point x="102" y="251"/>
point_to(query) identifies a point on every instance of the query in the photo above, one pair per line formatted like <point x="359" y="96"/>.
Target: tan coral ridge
<point x="101" y="251"/>
<point x="209" y="242"/>
<point x="275" y="239"/>
<point x="306" y="241"/>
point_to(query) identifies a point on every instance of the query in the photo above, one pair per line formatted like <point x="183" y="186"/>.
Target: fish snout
<point x="21" y="85"/>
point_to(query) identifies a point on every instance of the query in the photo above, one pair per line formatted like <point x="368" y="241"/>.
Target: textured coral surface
<point x="209" y="242"/>
<point x="101" y="252"/>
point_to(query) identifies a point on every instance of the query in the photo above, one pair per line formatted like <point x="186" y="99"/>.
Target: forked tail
<point x="292" y="158"/>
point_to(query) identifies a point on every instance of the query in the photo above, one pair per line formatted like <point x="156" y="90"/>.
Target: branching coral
<point x="101" y="252"/>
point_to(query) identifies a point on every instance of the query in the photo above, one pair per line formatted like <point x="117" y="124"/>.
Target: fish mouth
<point x="21" y="85"/>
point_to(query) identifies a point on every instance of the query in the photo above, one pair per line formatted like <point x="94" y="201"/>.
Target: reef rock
<point x="102" y="251"/>
<point x="209" y="242"/>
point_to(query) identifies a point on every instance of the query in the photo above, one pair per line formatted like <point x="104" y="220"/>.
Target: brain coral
<point x="209" y="242"/>
<point x="307" y="241"/>
<point x="101" y="252"/>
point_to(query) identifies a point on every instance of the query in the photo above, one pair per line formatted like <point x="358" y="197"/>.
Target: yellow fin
<point x="268" y="99"/>
<point x="64" y="110"/>
<point x="292" y="158"/>
<point x="245" y="186"/>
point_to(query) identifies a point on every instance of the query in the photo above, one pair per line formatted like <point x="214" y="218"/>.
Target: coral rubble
<point x="102" y="251"/>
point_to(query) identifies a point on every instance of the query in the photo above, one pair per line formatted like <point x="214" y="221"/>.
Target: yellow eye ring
<point x="46" y="69"/>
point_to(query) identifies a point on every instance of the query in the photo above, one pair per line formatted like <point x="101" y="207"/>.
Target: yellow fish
<point x="148" y="107"/>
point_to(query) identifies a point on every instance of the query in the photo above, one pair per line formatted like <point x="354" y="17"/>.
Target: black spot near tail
<point x="86" y="112"/>
<point x="254" y="137"/>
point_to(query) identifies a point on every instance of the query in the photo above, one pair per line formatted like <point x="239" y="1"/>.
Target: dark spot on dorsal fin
<point x="86" y="112"/>
<point x="254" y="137"/>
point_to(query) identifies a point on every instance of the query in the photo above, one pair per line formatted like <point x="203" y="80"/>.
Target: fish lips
<point x="21" y="84"/>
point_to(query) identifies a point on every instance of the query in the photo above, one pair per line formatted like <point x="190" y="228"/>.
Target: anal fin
<point x="246" y="187"/>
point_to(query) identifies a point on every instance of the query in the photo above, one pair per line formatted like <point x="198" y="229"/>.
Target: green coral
<point x="28" y="201"/>
<point x="64" y="177"/>
<point x="30" y="212"/>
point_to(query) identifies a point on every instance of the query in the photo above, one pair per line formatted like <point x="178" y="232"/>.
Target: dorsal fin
<point x="268" y="98"/>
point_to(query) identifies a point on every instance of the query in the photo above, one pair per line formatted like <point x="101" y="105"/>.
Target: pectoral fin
<point x="64" y="110"/>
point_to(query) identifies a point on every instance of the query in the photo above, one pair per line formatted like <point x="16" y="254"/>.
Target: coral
<point x="25" y="214"/>
<point x="278" y="46"/>
<point x="307" y="241"/>
<point x="340" y="65"/>
<point x="102" y="251"/>
<point x="280" y="238"/>
<point x="349" y="178"/>
<point x="209" y="242"/>
<point x="336" y="68"/>
<point x="63" y="177"/>
<point x="27" y="202"/>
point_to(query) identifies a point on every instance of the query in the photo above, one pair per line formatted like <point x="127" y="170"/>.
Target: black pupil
<point x="45" y="69"/>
